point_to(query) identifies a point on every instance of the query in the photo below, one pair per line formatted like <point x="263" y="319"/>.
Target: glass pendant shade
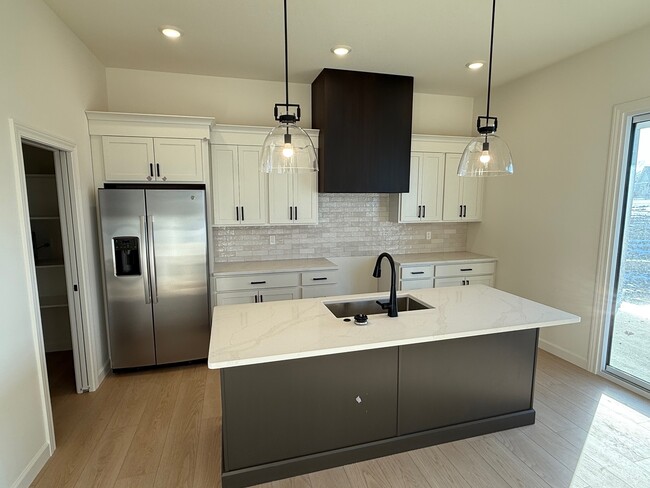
<point x="288" y="149"/>
<point x="486" y="156"/>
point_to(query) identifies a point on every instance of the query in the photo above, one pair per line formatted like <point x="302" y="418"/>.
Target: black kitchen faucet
<point x="391" y="304"/>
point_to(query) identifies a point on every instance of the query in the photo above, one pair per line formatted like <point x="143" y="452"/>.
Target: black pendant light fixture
<point x="487" y="154"/>
<point x="287" y="148"/>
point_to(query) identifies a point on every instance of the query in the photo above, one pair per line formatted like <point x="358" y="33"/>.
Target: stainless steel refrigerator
<point x="156" y="273"/>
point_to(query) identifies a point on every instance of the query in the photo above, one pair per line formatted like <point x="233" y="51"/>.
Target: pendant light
<point x="287" y="148"/>
<point x="487" y="154"/>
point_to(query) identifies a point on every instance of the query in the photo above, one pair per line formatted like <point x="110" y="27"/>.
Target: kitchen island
<point x="303" y="390"/>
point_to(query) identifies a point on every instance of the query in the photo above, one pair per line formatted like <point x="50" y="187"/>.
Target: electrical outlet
<point x="428" y="236"/>
<point x="271" y="240"/>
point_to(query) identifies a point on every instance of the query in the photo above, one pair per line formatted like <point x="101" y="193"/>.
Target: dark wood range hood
<point x="365" y="122"/>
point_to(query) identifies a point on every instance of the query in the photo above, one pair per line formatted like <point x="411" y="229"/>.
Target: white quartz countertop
<point x="290" y="265"/>
<point x="441" y="258"/>
<point x="277" y="331"/>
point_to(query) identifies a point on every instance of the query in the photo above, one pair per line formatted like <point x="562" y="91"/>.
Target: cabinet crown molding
<point x="436" y="143"/>
<point x="247" y="135"/>
<point x="148" y="125"/>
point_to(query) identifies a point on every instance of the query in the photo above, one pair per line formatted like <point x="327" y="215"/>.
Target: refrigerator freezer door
<point x="179" y="274"/>
<point x="130" y="317"/>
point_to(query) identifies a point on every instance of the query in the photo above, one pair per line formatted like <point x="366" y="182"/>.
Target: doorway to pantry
<point x="49" y="191"/>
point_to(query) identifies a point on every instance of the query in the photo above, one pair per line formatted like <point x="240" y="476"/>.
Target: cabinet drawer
<point x="416" y="272"/>
<point x="257" y="281"/>
<point x="463" y="269"/>
<point x="319" y="277"/>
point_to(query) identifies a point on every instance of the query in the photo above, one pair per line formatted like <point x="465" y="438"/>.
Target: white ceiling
<point x="429" y="39"/>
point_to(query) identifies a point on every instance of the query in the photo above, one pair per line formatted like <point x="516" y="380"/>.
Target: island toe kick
<point x="287" y="418"/>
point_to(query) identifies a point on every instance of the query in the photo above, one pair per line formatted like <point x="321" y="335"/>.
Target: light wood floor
<point x="162" y="429"/>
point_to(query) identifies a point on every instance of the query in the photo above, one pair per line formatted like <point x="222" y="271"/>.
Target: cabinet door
<point x="480" y="280"/>
<point x="305" y="198"/>
<point x="417" y="284"/>
<point x="277" y="294"/>
<point x="472" y="198"/>
<point x="451" y="210"/>
<point x="443" y="282"/>
<point x="236" y="297"/>
<point x="432" y="175"/>
<point x="410" y="202"/>
<point x="280" y="198"/>
<point x="178" y="159"/>
<point x="286" y="409"/>
<point x="252" y="186"/>
<point x="128" y="158"/>
<point x="225" y="184"/>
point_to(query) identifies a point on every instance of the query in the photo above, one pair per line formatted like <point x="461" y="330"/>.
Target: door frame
<point x="609" y="245"/>
<point x="65" y="152"/>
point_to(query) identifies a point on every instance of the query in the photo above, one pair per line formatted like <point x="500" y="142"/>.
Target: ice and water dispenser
<point x="127" y="256"/>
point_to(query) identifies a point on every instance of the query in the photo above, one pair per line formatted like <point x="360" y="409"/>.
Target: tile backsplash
<point x="350" y="224"/>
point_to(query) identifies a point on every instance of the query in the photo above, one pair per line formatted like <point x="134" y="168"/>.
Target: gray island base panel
<point x="286" y="418"/>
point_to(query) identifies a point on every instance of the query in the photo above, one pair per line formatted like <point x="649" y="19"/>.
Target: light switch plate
<point x="428" y="236"/>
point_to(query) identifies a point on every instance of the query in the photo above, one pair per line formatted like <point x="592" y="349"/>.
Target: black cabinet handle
<point x="463" y="282"/>
<point x="318" y="279"/>
<point x="158" y="170"/>
<point x="261" y="298"/>
<point x="468" y="282"/>
<point x="417" y="272"/>
<point x="461" y="211"/>
<point x="424" y="211"/>
<point x="237" y="212"/>
<point x="258" y="282"/>
<point x="151" y="169"/>
<point x="295" y="213"/>
<point x="242" y="213"/>
<point x="290" y="213"/>
<point x="255" y="298"/>
<point x="419" y="211"/>
<point x="466" y="269"/>
<point x="464" y="210"/>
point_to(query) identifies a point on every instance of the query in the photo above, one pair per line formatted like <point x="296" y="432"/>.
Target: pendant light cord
<point x="286" y="59"/>
<point x="494" y="7"/>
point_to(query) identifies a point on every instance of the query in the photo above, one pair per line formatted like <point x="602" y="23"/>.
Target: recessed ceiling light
<point x="474" y="65"/>
<point x="341" y="50"/>
<point x="170" y="31"/>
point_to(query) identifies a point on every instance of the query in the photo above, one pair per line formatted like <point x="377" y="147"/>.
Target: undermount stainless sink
<point x="371" y="307"/>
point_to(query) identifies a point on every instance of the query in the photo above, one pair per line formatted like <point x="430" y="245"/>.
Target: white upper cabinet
<point x="147" y="159"/>
<point x="423" y="202"/>
<point x="148" y="148"/>
<point x="239" y="188"/>
<point x="463" y="196"/>
<point x="242" y="195"/>
<point x="293" y="198"/>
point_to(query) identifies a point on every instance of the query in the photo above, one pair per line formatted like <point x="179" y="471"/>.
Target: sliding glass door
<point x="628" y="354"/>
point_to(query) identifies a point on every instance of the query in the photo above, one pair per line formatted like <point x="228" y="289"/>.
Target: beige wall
<point x="47" y="79"/>
<point x="543" y="223"/>
<point x="250" y="102"/>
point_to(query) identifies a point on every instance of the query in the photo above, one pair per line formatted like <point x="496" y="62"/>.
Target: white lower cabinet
<point x="316" y="284"/>
<point x="413" y="277"/>
<point x="258" y="296"/>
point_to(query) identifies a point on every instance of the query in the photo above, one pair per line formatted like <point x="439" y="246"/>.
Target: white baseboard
<point x="563" y="353"/>
<point x="101" y="374"/>
<point x="33" y="468"/>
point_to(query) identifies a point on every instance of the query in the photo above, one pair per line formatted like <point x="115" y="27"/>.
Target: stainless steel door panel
<point x="178" y="265"/>
<point x="130" y="318"/>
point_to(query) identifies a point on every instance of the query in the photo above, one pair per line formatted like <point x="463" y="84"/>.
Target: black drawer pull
<point x="258" y="282"/>
<point x="417" y="272"/>
<point x="466" y="269"/>
<point x="237" y="212"/>
<point x="318" y="279"/>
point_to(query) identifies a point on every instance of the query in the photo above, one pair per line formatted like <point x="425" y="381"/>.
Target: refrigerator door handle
<point x="152" y="260"/>
<point x="143" y="263"/>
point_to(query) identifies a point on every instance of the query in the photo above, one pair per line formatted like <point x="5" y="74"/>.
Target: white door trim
<point x="610" y="229"/>
<point x="20" y="132"/>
